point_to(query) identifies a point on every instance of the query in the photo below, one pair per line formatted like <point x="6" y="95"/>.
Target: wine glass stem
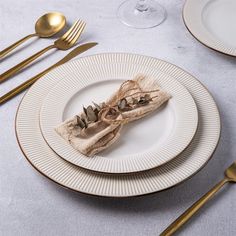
<point x="142" y="5"/>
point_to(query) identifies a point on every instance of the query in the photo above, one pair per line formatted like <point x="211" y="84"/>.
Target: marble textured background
<point x="32" y="205"/>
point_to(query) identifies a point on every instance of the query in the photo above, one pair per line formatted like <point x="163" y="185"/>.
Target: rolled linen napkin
<point x="98" y="126"/>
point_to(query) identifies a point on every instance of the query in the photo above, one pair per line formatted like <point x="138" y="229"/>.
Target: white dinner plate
<point x="47" y="162"/>
<point x="212" y="22"/>
<point x="144" y="144"/>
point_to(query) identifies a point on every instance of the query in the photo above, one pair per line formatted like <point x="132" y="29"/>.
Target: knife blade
<point x="80" y="49"/>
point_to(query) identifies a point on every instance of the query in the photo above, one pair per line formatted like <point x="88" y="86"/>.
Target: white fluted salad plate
<point x="143" y="144"/>
<point x="47" y="162"/>
<point x="212" y="23"/>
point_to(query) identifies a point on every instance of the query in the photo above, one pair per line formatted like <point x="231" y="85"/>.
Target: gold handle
<point x="23" y="64"/>
<point x="5" y="51"/>
<point x="192" y="210"/>
<point x="24" y="85"/>
<point x="80" y="49"/>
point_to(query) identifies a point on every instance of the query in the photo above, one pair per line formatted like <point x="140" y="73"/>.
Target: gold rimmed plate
<point x="211" y="22"/>
<point x="47" y="162"/>
<point x="144" y="144"/>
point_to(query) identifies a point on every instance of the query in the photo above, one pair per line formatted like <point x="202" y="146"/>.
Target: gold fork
<point x="63" y="43"/>
<point x="230" y="176"/>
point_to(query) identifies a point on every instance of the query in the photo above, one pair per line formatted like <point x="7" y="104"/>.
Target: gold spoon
<point x="45" y="27"/>
<point x="65" y="42"/>
<point x="230" y="176"/>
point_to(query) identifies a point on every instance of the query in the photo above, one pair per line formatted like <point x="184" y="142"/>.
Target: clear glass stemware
<point x="141" y="13"/>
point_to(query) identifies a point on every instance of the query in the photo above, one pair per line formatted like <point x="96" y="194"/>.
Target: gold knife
<point x="80" y="49"/>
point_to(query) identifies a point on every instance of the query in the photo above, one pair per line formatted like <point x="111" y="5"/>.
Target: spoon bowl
<point x="230" y="173"/>
<point x="50" y="24"/>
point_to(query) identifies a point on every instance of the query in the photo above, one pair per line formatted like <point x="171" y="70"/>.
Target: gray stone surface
<point x="32" y="205"/>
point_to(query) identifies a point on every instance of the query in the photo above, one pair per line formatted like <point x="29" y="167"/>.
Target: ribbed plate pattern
<point x="182" y="167"/>
<point x="185" y="113"/>
<point x="192" y="15"/>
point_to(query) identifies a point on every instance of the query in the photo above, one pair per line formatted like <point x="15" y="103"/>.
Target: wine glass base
<point x="153" y="16"/>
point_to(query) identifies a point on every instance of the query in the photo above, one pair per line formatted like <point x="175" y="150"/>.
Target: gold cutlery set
<point x="46" y="26"/>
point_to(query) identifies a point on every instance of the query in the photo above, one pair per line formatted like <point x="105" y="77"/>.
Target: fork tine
<point x="76" y="36"/>
<point x="75" y="32"/>
<point x="70" y="30"/>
